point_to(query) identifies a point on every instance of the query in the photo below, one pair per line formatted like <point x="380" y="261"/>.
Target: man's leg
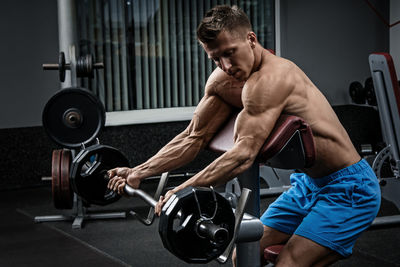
<point x="270" y="237"/>
<point x="300" y="251"/>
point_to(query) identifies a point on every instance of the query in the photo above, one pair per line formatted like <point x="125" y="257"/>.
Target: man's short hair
<point x="223" y="17"/>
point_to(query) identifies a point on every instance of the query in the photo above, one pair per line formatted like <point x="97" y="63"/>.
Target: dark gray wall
<point x="331" y="41"/>
<point x="29" y="37"/>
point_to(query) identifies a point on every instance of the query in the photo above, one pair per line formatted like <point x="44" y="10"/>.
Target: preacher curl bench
<point x="290" y="145"/>
<point x="210" y="226"/>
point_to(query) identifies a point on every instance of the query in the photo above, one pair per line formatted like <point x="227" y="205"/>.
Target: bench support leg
<point x="248" y="254"/>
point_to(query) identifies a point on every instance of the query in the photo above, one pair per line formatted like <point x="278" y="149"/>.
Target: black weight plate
<point x="178" y="233"/>
<point x="61" y="66"/>
<point x="88" y="172"/>
<point x="73" y="116"/>
<point x="84" y="66"/>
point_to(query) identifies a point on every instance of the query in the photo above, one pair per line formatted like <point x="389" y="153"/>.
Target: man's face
<point x="233" y="54"/>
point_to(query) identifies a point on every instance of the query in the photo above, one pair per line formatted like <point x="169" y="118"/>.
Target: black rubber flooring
<point x="127" y="242"/>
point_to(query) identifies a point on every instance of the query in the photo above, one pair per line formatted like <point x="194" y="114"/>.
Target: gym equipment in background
<point x="387" y="161"/>
<point x="84" y="66"/>
<point x="72" y="118"/>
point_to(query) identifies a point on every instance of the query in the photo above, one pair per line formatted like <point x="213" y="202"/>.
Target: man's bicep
<point x="255" y="129"/>
<point x="208" y="117"/>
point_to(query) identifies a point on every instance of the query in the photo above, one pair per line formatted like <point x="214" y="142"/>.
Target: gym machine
<point x="388" y="159"/>
<point x="290" y="145"/>
<point x="291" y="138"/>
<point x="185" y="214"/>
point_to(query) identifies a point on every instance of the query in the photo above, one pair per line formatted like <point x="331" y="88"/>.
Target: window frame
<point x="160" y="115"/>
<point x="144" y="116"/>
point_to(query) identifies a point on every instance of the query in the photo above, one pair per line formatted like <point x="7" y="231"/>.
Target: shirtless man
<point x="329" y="205"/>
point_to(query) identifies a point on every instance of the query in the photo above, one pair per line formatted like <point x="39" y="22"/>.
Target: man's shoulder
<point x="277" y="67"/>
<point x="272" y="83"/>
<point x="220" y="80"/>
<point x="273" y="74"/>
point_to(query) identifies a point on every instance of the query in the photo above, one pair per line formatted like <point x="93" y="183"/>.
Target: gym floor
<point x="127" y="242"/>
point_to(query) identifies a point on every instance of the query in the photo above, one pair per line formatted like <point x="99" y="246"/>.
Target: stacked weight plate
<point x="72" y="118"/>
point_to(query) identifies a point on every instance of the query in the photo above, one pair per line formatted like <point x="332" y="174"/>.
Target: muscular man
<point x="329" y="204"/>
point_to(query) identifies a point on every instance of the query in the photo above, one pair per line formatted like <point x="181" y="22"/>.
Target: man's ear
<point x="252" y="39"/>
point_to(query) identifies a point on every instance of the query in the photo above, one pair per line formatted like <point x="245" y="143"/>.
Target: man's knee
<point x="300" y="251"/>
<point x="271" y="237"/>
<point x="291" y="259"/>
<point x="287" y="259"/>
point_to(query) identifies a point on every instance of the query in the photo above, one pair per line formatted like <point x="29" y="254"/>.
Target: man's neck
<point x="258" y="57"/>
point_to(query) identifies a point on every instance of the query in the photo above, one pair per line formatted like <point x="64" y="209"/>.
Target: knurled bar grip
<point x="144" y="196"/>
<point x="140" y="193"/>
<point x="150" y="216"/>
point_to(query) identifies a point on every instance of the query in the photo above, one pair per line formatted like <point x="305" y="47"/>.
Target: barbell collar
<point x="207" y="229"/>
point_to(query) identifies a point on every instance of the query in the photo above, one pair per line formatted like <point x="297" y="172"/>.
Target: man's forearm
<point x="224" y="168"/>
<point x="178" y="152"/>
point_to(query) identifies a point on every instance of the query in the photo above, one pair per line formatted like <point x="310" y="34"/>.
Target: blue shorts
<point x="332" y="211"/>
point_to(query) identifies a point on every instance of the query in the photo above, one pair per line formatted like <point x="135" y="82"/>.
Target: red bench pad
<point x="285" y="127"/>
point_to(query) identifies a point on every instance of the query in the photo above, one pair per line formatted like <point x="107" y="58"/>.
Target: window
<point x="149" y="49"/>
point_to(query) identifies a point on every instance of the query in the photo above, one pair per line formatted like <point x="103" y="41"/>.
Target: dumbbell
<point x="84" y="66"/>
<point x="363" y="94"/>
<point x="357" y="92"/>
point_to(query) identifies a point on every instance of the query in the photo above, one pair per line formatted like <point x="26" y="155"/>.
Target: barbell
<point x="196" y="224"/>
